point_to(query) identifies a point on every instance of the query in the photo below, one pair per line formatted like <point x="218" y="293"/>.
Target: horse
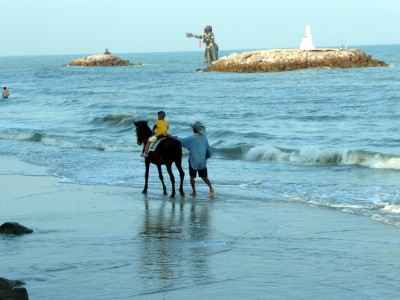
<point x="168" y="151"/>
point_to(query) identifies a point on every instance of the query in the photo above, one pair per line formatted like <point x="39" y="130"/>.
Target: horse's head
<point x="143" y="132"/>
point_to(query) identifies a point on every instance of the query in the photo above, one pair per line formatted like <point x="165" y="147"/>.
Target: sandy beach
<point x="99" y="242"/>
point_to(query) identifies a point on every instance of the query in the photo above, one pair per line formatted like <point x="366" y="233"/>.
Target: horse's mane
<point x="143" y="125"/>
<point x="143" y="131"/>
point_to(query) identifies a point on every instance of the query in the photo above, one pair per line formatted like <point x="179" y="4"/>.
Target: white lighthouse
<point x="307" y="41"/>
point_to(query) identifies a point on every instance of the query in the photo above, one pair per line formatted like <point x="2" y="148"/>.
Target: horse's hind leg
<point x="146" y="176"/>
<point x="161" y="179"/>
<point x="181" y="175"/>
<point x="172" y="178"/>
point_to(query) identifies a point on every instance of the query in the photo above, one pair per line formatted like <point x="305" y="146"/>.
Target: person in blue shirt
<point x="199" y="152"/>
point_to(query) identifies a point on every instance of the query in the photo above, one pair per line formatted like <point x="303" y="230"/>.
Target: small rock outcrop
<point x="294" y="59"/>
<point x="99" y="60"/>
<point x="12" y="290"/>
<point x="14" y="229"/>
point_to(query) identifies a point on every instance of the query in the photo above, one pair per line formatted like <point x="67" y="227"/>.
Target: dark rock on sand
<point x="14" y="228"/>
<point x="12" y="290"/>
<point x="294" y="59"/>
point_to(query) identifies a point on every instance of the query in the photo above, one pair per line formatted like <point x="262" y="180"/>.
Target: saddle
<point x="154" y="145"/>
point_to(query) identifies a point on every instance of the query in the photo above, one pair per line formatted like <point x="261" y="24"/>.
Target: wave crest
<point x="233" y="152"/>
<point x="35" y="137"/>
<point x="63" y="141"/>
<point x="115" y="120"/>
<point x="369" y="159"/>
<point x="23" y="136"/>
<point x="311" y="156"/>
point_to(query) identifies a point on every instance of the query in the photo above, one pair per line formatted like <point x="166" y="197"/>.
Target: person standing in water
<point x="199" y="152"/>
<point x="6" y="93"/>
<point x="211" y="51"/>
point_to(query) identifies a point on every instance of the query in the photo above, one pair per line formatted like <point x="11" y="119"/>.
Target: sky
<point x="44" y="27"/>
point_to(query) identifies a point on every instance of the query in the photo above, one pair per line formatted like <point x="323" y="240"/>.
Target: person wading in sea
<point x="211" y="51"/>
<point x="199" y="152"/>
<point x="6" y="93"/>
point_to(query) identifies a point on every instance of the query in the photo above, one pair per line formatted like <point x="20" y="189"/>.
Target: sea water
<point x="328" y="137"/>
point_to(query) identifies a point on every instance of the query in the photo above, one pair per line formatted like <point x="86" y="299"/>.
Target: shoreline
<point x="113" y="243"/>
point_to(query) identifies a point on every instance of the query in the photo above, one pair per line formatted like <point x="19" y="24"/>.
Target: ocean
<point x="324" y="137"/>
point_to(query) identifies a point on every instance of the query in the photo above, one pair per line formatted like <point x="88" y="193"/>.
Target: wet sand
<point x="100" y="242"/>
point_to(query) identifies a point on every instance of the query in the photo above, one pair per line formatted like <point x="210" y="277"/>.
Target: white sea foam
<point x="345" y="207"/>
<point x="362" y="158"/>
<point x="381" y="212"/>
<point x="391" y="208"/>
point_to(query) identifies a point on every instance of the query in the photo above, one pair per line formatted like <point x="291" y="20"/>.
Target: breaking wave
<point x="22" y="136"/>
<point x="233" y="152"/>
<point x="362" y="158"/>
<point x="369" y="159"/>
<point x="240" y="151"/>
<point x="62" y="141"/>
<point x="115" y="120"/>
<point x="390" y="208"/>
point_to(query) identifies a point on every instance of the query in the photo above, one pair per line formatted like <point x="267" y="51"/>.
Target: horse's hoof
<point x="144" y="192"/>
<point x="172" y="196"/>
<point x="182" y="193"/>
<point x="165" y="193"/>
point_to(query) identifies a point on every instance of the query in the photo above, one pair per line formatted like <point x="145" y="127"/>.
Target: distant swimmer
<point x="211" y="51"/>
<point x="6" y="92"/>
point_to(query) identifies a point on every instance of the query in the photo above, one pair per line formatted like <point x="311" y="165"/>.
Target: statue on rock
<point x="307" y="41"/>
<point x="211" y="51"/>
<point x="107" y="52"/>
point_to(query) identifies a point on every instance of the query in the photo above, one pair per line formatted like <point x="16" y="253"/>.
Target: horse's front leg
<point x="146" y="176"/>
<point x="172" y="178"/>
<point x="162" y="179"/>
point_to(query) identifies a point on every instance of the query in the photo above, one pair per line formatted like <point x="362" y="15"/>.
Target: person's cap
<point x="198" y="127"/>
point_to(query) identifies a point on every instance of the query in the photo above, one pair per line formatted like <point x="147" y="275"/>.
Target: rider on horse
<point x="168" y="152"/>
<point x="160" y="130"/>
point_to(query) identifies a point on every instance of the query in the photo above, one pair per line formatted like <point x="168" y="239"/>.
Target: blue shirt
<point x="198" y="147"/>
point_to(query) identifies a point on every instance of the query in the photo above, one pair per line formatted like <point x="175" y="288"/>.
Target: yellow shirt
<point x="161" y="128"/>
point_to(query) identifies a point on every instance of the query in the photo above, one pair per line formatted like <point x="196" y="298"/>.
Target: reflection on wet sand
<point x="174" y="237"/>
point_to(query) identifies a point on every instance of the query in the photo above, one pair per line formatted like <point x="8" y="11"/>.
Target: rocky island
<point x="100" y="60"/>
<point x="294" y="59"/>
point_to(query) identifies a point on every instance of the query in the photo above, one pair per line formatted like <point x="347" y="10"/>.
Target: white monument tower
<point x="307" y="42"/>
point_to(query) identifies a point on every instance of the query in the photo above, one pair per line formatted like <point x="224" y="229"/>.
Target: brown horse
<point x="168" y="151"/>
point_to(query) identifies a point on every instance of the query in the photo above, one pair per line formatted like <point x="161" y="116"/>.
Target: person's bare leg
<point x="146" y="149"/>
<point x="193" y="184"/>
<point x="208" y="182"/>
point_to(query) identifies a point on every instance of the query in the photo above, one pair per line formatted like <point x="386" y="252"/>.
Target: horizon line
<point x="185" y="51"/>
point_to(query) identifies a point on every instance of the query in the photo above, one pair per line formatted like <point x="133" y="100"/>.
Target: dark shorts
<point x="193" y="172"/>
